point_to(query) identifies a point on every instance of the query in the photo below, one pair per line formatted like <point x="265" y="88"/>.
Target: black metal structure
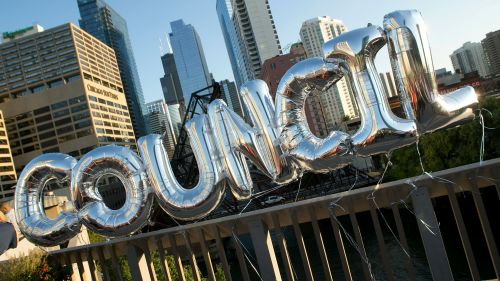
<point x="183" y="162"/>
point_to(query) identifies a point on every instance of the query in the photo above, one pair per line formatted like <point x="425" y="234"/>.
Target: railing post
<point x="433" y="242"/>
<point x="263" y="245"/>
<point x="137" y="263"/>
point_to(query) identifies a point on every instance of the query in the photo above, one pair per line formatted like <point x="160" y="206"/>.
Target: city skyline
<point x="145" y="31"/>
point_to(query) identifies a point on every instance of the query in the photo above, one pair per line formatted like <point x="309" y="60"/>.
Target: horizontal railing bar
<point x="386" y="194"/>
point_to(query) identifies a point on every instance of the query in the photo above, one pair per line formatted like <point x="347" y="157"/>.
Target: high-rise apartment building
<point x="388" y="84"/>
<point x="170" y="83"/>
<point x="8" y="178"/>
<point x="159" y="121"/>
<point x="189" y="58"/>
<point x="60" y="91"/>
<point x="338" y="102"/>
<point x="469" y="58"/>
<point x="491" y="47"/>
<point x="250" y="36"/>
<point x="104" y="23"/>
<point x="230" y="94"/>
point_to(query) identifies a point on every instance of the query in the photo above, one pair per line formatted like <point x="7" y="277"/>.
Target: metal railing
<point x="257" y="245"/>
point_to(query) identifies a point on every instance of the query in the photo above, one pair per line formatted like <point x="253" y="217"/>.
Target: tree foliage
<point x="452" y="147"/>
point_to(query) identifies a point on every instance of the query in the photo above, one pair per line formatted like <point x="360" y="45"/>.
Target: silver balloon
<point x="309" y="151"/>
<point x="122" y="163"/>
<point x="380" y="130"/>
<point x="175" y="200"/>
<point x="235" y="139"/>
<point x="411" y="60"/>
<point x="28" y="204"/>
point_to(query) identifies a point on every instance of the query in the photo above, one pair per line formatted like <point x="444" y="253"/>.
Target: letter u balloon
<point x="277" y="140"/>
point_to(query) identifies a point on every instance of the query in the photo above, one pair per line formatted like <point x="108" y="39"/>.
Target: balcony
<point x="420" y="227"/>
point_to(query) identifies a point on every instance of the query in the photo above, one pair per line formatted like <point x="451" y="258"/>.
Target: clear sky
<point x="450" y="22"/>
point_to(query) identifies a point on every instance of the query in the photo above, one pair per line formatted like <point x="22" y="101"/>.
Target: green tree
<point x="452" y="147"/>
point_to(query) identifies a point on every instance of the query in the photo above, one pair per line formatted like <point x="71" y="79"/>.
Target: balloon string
<point x="353" y="243"/>
<point x="483" y="127"/>
<point x="246" y="251"/>
<point x="298" y="190"/>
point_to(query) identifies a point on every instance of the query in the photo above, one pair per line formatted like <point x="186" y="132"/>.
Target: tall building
<point x="469" y="58"/>
<point x="159" y="121"/>
<point x="250" y="36"/>
<point x="176" y="112"/>
<point x="189" y="58"/>
<point x="231" y="96"/>
<point x="338" y="102"/>
<point x="170" y="83"/>
<point x="491" y="47"/>
<point x="8" y="178"/>
<point x="388" y="84"/>
<point x="104" y="23"/>
<point x="60" y="91"/>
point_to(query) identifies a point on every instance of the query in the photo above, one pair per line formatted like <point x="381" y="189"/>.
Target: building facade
<point x="60" y="91"/>
<point x="491" y="47"/>
<point x="230" y="94"/>
<point x="104" y="23"/>
<point x="189" y="58"/>
<point x="469" y="58"/>
<point x="338" y="102"/>
<point x="170" y="83"/>
<point x="250" y="36"/>
<point x="8" y="178"/>
<point x="274" y="68"/>
<point x="160" y="123"/>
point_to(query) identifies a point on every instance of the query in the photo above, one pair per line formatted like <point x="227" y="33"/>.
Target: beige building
<point x="60" y="91"/>
<point x="7" y="171"/>
<point x="338" y="102"/>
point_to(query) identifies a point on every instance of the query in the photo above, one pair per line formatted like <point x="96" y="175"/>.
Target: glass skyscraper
<point x="100" y="20"/>
<point x="189" y="58"/>
<point x="250" y="36"/>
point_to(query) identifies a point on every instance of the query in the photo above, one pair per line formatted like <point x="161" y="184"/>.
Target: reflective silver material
<point x="380" y="130"/>
<point x="177" y="201"/>
<point x="312" y="153"/>
<point x="124" y="164"/>
<point x="277" y="140"/>
<point x="411" y="60"/>
<point x="28" y="204"/>
<point x="258" y="143"/>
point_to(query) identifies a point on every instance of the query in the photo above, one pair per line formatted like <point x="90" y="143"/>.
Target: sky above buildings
<point x="450" y="23"/>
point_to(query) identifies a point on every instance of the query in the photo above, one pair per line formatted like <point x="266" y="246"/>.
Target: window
<point x="77" y="100"/>
<point x="47" y="135"/>
<point x="63" y="121"/>
<point x="61" y="113"/>
<point x="43" y="118"/>
<point x="45" y="127"/>
<point x="59" y="105"/>
<point x="41" y="110"/>
<point x="48" y="143"/>
<point x="84" y="133"/>
<point x="79" y="107"/>
<point x="65" y="130"/>
<point x="66" y="138"/>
